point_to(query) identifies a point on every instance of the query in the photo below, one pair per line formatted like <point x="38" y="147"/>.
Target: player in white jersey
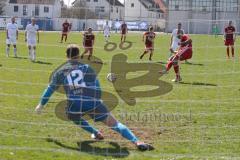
<point x="12" y="36"/>
<point x="106" y="31"/>
<point x="32" y="37"/>
<point x="174" y="44"/>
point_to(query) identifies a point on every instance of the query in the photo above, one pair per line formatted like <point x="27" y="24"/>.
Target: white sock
<point x="34" y="55"/>
<point x="15" y="52"/>
<point x="30" y="54"/>
<point x="7" y="51"/>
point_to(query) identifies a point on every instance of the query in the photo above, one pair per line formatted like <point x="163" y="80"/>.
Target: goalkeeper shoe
<point x="98" y="136"/>
<point x="144" y="146"/>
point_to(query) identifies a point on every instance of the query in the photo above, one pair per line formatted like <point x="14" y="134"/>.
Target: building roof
<point x="162" y="5"/>
<point x="111" y="2"/>
<point x="50" y="2"/>
<point x="115" y="3"/>
<point x="151" y="5"/>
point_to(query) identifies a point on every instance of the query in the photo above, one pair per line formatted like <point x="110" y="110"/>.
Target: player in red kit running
<point x="148" y="37"/>
<point x="65" y="30"/>
<point x="229" y="38"/>
<point x="88" y="42"/>
<point x="123" y="31"/>
<point x="184" y="53"/>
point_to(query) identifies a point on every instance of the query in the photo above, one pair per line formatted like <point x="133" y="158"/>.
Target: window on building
<point x="15" y="8"/>
<point x="202" y="5"/>
<point x="46" y="9"/>
<point x="95" y="0"/>
<point x="111" y="8"/>
<point x="227" y="5"/>
<point x="99" y="9"/>
<point x="178" y="5"/>
<point x="88" y="0"/>
<point x="24" y="10"/>
<point x="102" y="9"/>
<point x="37" y="10"/>
<point x="132" y="5"/>
<point x="117" y="10"/>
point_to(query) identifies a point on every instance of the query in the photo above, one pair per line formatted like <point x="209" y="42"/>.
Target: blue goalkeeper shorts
<point x="93" y="109"/>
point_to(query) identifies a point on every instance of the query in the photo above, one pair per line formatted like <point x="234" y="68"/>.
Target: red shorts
<point x="229" y="42"/>
<point x="88" y="48"/>
<point x="65" y="33"/>
<point x="149" y="47"/>
<point x="124" y="32"/>
<point x="184" y="53"/>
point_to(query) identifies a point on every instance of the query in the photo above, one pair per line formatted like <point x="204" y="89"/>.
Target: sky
<point x="69" y="2"/>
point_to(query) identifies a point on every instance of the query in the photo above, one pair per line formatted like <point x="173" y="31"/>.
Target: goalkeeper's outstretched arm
<point x="45" y="98"/>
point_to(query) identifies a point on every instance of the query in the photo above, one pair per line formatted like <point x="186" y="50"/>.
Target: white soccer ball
<point x="111" y="77"/>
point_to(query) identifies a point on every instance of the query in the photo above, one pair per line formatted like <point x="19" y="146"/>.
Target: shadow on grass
<point x="194" y="64"/>
<point x="20" y="57"/>
<point x="162" y="62"/>
<point x="199" y="84"/>
<point x="187" y="63"/>
<point x="41" y="62"/>
<point x="86" y="146"/>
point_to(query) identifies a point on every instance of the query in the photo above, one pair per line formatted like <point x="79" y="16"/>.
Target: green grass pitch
<point x="199" y="119"/>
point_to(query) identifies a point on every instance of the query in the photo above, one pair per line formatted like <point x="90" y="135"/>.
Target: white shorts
<point x="174" y="46"/>
<point x="31" y="42"/>
<point x="106" y="34"/>
<point x="11" y="40"/>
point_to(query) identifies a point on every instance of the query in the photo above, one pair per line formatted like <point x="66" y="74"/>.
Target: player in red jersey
<point x="88" y="42"/>
<point x="123" y="31"/>
<point x="148" y="38"/>
<point x="229" y="38"/>
<point x="184" y="53"/>
<point x="65" y="30"/>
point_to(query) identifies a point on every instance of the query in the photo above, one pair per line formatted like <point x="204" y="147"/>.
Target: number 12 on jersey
<point x="75" y="79"/>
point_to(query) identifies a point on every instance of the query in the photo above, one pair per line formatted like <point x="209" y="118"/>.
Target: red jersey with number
<point x="88" y="39"/>
<point x="66" y="27"/>
<point x="184" y="39"/>
<point x="229" y="32"/>
<point x="149" y="38"/>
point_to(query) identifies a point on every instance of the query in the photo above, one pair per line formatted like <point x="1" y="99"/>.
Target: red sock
<point x="232" y="52"/>
<point x="228" y="51"/>
<point x="176" y="69"/>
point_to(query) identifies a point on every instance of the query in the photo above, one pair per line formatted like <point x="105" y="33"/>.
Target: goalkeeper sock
<point x="125" y="132"/>
<point x="86" y="126"/>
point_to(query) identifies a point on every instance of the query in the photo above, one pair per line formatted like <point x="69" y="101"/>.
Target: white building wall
<point x="107" y="9"/>
<point x="54" y="10"/>
<point x="139" y="12"/>
<point x="117" y="15"/>
<point x="174" y="17"/>
<point x="133" y="13"/>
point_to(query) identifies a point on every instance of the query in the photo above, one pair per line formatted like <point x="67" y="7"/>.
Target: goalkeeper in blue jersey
<point x="83" y="93"/>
